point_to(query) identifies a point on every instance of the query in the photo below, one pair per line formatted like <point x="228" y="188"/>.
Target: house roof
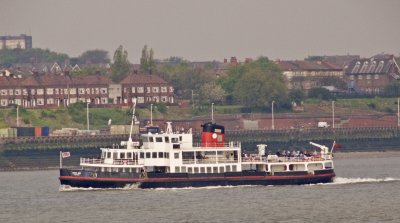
<point x="378" y="64"/>
<point x="143" y="79"/>
<point x="303" y="65"/>
<point x="91" y="80"/>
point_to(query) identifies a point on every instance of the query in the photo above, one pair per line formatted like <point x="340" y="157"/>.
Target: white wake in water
<point x="343" y="180"/>
<point x="69" y="188"/>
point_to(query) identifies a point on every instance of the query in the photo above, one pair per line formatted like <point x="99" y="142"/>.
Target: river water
<point x="365" y="190"/>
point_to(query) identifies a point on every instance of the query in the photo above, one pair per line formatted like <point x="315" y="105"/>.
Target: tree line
<point x="254" y="85"/>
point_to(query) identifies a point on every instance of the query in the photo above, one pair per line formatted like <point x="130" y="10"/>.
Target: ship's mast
<point x="133" y="119"/>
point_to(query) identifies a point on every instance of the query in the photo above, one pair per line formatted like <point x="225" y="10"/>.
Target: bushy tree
<point x="147" y="63"/>
<point x="211" y="92"/>
<point x="94" y="57"/>
<point x="320" y="93"/>
<point x="296" y="96"/>
<point x="8" y="57"/>
<point x="120" y="67"/>
<point x="256" y="84"/>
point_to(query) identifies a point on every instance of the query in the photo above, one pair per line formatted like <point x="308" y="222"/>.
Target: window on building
<point x="376" y="76"/>
<point x="17" y="91"/>
<point x="360" y="77"/>
<point x="140" y="89"/>
<point x="163" y="89"/>
<point x="11" y="92"/>
<point x="133" y="89"/>
<point x="368" y="76"/>
<point x="49" y="91"/>
<point x="3" y="92"/>
<point x="351" y="77"/>
<point x="103" y="90"/>
<point x="356" y="67"/>
<point x="155" y="89"/>
<point x="40" y="91"/>
<point x="148" y="90"/>
<point x="40" y="101"/>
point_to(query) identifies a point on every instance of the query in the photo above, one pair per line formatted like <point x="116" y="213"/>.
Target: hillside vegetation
<point x="75" y="115"/>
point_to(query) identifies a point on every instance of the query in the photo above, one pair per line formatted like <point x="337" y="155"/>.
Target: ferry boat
<point x="170" y="159"/>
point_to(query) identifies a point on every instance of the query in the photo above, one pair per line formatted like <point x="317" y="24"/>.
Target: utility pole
<point x="273" y="121"/>
<point x="212" y="112"/>
<point x="87" y="114"/>
<point x="398" y="112"/>
<point x="333" y="114"/>
<point x="151" y="114"/>
<point x="17" y="115"/>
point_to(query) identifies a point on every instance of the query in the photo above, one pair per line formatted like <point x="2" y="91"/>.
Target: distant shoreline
<point x="369" y="154"/>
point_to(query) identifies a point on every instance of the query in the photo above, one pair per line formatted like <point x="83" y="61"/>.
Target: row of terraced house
<point x="55" y="90"/>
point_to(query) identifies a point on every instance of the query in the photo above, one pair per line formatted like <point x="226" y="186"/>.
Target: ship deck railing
<point x="280" y="159"/>
<point x="208" y="161"/>
<point x="217" y="145"/>
<point x="115" y="162"/>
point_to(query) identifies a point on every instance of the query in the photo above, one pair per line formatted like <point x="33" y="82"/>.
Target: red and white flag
<point x="65" y="154"/>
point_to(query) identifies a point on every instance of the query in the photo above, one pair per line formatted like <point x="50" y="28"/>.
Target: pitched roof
<point x="378" y="64"/>
<point x="303" y="65"/>
<point x="143" y="79"/>
<point x="91" y="80"/>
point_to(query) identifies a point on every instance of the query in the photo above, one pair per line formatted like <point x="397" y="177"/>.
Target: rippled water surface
<point x="366" y="190"/>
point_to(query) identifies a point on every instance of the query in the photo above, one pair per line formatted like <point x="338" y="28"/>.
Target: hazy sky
<point x="208" y="29"/>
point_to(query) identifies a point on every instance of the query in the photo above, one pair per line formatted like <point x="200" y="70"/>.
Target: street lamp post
<point x="398" y="112"/>
<point x="273" y="121"/>
<point x="17" y="115"/>
<point x="212" y="112"/>
<point x="87" y="114"/>
<point x="151" y="114"/>
<point x="333" y="114"/>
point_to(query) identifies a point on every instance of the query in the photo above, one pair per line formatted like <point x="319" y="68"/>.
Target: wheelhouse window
<point x="109" y="155"/>
<point x="122" y="155"/>
<point x="148" y="155"/>
<point x="158" y="139"/>
<point x="154" y="155"/>
<point x="160" y="155"/>
<point x="176" y="155"/>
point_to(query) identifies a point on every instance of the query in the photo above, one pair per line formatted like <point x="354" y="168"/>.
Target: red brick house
<point x="146" y="89"/>
<point x="371" y="75"/>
